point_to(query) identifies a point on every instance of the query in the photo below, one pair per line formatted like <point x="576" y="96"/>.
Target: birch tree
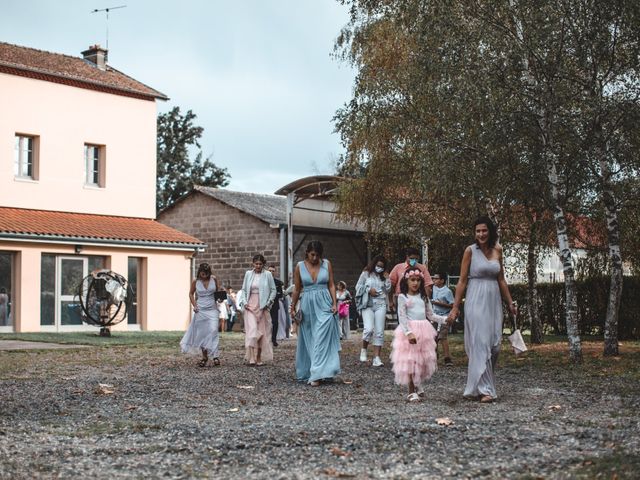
<point x="486" y="85"/>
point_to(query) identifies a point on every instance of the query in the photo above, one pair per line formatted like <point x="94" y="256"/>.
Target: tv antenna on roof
<point x="106" y="10"/>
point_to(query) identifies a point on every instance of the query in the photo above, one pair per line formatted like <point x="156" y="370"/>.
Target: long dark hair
<point x="493" y="231"/>
<point x="204" y="267"/>
<point x="404" y="284"/>
<point x="314" y="246"/>
<point x="258" y="257"/>
<point x="371" y="267"/>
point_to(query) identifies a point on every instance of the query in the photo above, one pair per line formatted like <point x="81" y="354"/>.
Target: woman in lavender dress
<point x="482" y="276"/>
<point x="202" y="334"/>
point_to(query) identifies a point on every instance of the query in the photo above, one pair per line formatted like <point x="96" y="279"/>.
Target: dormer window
<point x="25" y="163"/>
<point x="94" y="159"/>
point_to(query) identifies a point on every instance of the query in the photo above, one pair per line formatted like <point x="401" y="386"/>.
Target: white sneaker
<point x="377" y="362"/>
<point x="413" y="397"/>
<point x="363" y="355"/>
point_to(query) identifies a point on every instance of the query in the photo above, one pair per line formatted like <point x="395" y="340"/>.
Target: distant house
<point x="77" y="192"/>
<point x="237" y="225"/>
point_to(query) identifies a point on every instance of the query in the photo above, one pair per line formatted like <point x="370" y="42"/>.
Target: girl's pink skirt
<point x="419" y="360"/>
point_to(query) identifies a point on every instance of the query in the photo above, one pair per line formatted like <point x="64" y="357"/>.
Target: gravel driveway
<point x="159" y="416"/>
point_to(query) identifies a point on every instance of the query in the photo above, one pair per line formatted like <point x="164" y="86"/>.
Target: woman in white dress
<point x="202" y="334"/>
<point x="4" y="302"/>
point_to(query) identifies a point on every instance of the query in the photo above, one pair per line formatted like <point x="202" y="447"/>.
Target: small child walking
<point x="344" y="299"/>
<point x="414" y="344"/>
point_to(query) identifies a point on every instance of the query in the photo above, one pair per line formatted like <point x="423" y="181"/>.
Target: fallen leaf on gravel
<point x="231" y="410"/>
<point x="338" y="452"/>
<point x="347" y="382"/>
<point x="77" y="392"/>
<point x="554" y="407"/>
<point x="197" y="405"/>
<point x="332" y="472"/>
<point x="444" y="421"/>
<point x="104" y="389"/>
<point x="245" y="387"/>
<point x="130" y="407"/>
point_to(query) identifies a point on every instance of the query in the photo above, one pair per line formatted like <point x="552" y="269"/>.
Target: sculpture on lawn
<point x="105" y="298"/>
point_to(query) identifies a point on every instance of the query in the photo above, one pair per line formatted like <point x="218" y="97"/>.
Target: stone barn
<point x="237" y="225"/>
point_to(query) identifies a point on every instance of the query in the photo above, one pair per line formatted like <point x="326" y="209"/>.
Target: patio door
<point x="70" y="271"/>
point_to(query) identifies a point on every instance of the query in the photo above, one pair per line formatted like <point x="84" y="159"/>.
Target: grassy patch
<point x="617" y="465"/>
<point x="92" y="338"/>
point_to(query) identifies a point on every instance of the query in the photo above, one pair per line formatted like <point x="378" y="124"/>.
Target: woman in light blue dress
<point x="482" y="275"/>
<point x="317" y="354"/>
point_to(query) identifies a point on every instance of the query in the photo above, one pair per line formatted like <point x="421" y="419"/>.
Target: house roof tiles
<point x="271" y="209"/>
<point x="68" y="70"/>
<point x="19" y="223"/>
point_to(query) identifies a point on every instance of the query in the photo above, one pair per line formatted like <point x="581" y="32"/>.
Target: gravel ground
<point x="162" y="417"/>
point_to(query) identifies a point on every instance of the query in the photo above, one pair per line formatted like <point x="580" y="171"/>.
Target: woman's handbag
<point x="343" y="309"/>
<point x="516" y="340"/>
<point x="297" y="317"/>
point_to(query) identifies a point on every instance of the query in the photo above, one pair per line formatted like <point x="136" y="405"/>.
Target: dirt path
<point x="156" y="415"/>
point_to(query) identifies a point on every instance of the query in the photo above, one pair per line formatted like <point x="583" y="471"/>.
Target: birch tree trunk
<point x="571" y="298"/>
<point x="545" y="126"/>
<point x="532" y="290"/>
<point x="613" y="235"/>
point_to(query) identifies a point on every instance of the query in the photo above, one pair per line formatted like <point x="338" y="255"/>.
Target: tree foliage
<point x="177" y="173"/>
<point x="517" y="108"/>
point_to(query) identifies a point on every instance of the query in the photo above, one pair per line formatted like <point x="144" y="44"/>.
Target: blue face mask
<point x="413" y="262"/>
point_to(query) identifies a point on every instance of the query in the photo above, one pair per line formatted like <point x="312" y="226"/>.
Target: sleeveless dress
<point x="482" y="324"/>
<point x="317" y="353"/>
<point x="203" y="329"/>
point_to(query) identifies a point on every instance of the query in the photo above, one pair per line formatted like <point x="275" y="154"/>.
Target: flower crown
<point x="414" y="273"/>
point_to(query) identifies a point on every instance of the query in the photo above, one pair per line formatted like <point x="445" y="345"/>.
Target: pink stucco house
<point x="77" y="192"/>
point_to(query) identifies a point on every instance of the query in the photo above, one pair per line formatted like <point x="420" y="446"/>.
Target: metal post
<point x="425" y="251"/>
<point x="283" y="253"/>
<point x="290" y="201"/>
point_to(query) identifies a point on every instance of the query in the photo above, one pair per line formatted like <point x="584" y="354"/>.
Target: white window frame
<point x="94" y="159"/>
<point x="25" y="157"/>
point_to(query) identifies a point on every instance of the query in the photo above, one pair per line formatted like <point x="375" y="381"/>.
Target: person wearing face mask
<point x="372" y="290"/>
<point x="411" y="261"/>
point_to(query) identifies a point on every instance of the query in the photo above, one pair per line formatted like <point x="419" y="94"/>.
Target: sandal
<point x="487" y="399"/>
<point x="203" y="362"/>
<point x="216" y="362"/>
<point x="315" y="383"/>
<point x="260" y="364"/>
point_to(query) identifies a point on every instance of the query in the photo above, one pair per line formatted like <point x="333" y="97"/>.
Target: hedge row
<point x="593" y="295"/>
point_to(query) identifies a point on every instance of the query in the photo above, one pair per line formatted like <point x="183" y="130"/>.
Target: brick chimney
<point x="96" y="55"/>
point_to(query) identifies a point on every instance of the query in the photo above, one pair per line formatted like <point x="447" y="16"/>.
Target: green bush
<point x="593" y="295"/>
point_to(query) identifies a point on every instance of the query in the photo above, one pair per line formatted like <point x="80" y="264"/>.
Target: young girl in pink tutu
<point x="414" y="344"/>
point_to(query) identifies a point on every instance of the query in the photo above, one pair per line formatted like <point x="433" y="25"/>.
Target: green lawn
<point x="92" y="338"/>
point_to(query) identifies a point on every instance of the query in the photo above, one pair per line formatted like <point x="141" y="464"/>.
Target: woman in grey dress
<point x="482" y="276"/>
<point x="202" y="334"/>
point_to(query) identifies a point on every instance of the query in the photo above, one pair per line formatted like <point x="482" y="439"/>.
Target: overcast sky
<point x="257" y="73"/>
